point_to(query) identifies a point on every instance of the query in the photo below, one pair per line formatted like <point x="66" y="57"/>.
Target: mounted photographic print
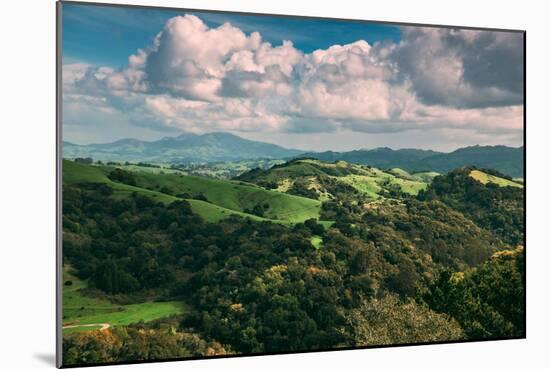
<point x="236" y="184"/>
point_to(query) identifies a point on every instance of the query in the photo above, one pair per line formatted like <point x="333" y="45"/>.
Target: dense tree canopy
<point x="437" y="267"/>
<point x="488" y="301"/>
<point x="499" y="209"/>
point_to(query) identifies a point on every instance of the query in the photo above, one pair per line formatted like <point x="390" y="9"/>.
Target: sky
<point x="311" y="84"/>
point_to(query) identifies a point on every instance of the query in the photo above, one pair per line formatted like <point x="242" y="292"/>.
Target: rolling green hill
<point x="425" y="176"/>
<point x="218" y="198"/>
<point x="234" y="195"/>
<point x="485" y="178"/>
<point x="138" y="257"/>
<point x="375" y="182"/>
<point x="81" y="173"/>
<point x="322" y="178"/>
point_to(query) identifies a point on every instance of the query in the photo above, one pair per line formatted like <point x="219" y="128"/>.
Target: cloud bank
<point x="196" y="78"/>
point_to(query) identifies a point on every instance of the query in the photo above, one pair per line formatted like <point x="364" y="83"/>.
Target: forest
<point x="397" y="260"/>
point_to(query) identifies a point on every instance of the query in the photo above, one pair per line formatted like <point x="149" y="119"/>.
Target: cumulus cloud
<point x="346" y="82"/>
<point x="197" y="78"/>
<point x="225" y="115"/>
<point x="462" y="68"/>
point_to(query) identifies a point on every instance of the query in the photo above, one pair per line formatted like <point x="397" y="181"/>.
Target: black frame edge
<point x="59" y="184"/>
<point x="525" y="182"/>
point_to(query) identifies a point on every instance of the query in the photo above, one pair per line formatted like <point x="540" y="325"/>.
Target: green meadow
<point x="317" y="241"/>
<point x="368" y="180"/>
<point x="489" y="178"/>
<point x="235" y="195"/>
<point x="224" y="197"/>
<point x="80" y="310"/>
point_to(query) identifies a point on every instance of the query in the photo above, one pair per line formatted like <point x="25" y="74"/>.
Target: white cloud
<point x="198" y="78"/>
<point x="462" y="68"/>
<point x="187" y="59"/>
<point x="349" y="82"/>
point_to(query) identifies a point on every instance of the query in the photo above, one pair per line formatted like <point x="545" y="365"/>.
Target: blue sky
<point x="339" y="85"/>
<point x="106" y="35"/>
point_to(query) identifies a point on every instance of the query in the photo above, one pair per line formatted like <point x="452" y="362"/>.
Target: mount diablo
<point x="185" y="148"/>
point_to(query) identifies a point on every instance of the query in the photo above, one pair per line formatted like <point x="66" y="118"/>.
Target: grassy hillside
<point x="375" y="181"/>
<point x="75" y="173"/>
<point x="81" y="173"/>
<point x="235" y="195"/>
<point x="489" y="178"/>
<point x="224" y="197"/>
<point x="223" y="170"/>
<point x="319" y="177"/>
<point x="214" y="213"/>
<point x="83" y="313"/>
<point x="425" y="176"/>
<point x="148" y="169"/>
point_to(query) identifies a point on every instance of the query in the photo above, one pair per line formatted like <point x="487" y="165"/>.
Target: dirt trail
<point x="104" y="326"/>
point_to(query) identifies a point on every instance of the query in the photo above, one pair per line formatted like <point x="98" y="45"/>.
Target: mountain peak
<point x="187" y="147"/>
<point x="381" y="149"/>
<point x="220" y="134"/>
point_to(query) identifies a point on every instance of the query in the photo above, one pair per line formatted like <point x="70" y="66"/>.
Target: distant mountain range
<point x="507" y="160"/>
<point x="218" y="147"/>
<point x="185" y="148"/>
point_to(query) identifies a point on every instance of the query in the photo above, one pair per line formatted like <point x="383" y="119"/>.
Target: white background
<point x="27" y="182"/>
